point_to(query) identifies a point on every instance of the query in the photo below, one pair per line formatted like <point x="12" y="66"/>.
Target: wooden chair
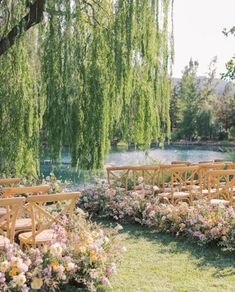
<point x="149" y="175"/>
<point x="203" y="176"/>
<point x="118" y="174"/>
<point x="42" y="219"/>
<point x="9" y="181"/>
<point x="30" y="190"/>
<point x="181" y="184"/>
<point x="13" y="207"/>
<point x="165" y="174"/>
<point x="25" y="223"/>
<point x="221" y="186"/>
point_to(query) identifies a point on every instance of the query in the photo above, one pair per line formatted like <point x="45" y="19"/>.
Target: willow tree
<point x="105" y="66"/>
<point x="106" y="69"/>
<point x="20" y="105"/>
<point x="143" y="59"/>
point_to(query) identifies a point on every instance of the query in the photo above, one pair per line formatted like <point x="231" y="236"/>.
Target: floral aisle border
<point x="202" y="223"/>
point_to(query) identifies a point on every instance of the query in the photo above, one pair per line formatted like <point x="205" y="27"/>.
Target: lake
<point x="125" y="156"/>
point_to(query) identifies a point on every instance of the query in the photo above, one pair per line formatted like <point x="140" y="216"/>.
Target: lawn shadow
<point x="223" y="261"/>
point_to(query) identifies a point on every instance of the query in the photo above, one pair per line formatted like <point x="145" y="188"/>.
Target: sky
<point x="198" y="26"/>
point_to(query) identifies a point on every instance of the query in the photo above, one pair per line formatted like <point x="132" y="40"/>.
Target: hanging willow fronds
<point x="105" y="68"/>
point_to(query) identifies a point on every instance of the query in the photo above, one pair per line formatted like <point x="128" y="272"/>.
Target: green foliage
<point x="105" y="69"/>
<point x="230" y="65"/>
<point x="21" y="107"/>
<point x="188" y="99"/>
<point x="196" y="111"/>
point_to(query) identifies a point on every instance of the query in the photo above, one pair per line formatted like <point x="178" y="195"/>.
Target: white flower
<point x="123" y="249"/>
<point x="56" y="249"/>
<point x="70" y="266"/>
<point x="16" y="261"/>
<point x="19" y="280"/>
<point x="119" y="227"/>
<point x="4" y="266"/>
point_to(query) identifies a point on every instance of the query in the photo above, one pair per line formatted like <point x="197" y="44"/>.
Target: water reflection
<point x="124" y="156"/>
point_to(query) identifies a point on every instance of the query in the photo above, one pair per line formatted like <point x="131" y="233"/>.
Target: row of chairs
<point x="181" y="180"/>
<point x="24" y="213"/>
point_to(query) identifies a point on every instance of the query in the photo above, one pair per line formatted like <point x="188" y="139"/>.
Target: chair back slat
<point x="9" y="181"/>
<point x="7" y="192"/>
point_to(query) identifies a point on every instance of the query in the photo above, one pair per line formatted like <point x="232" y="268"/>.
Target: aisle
<point x="155" y="262"/>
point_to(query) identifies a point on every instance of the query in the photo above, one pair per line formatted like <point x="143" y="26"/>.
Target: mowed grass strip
<point x="160" y="262"/>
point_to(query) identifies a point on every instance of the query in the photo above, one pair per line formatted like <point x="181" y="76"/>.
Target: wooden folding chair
<point x="203" y="176"/>
<point x="22" y="224"/>
<point x="9" y="181"/>
<point x="149" y="175"/>
<point x="13" y="208"/>
<point x="42" y="219"/>
<point x="118" y="174"/>
<point x="165" y="175"/>
<point x="181" y="184"/>
<point x="221" y="186"/>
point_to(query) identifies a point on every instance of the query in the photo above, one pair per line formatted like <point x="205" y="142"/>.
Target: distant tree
<point x="230" y="65"/>
<point x="225" y="111"/>
<point x="188" y="99"/>
<point x="206" y="125"/>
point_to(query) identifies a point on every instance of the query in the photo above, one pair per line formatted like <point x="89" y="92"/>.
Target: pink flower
<point x="215" y="231"/>
<point x="2" y="278"/>
<point x="111" y="269"/>
<point x="105" y="281"/>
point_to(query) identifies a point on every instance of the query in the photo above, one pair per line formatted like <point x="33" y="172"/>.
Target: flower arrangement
<point x="202" y="222"/>
<point x="84" y="256"/>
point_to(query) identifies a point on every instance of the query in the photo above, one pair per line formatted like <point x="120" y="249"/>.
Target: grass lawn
<point x="158" y="262"/>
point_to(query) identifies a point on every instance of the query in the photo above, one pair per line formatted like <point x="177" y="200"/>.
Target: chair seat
<point x="175" y="195"/>
<point x="206" y="192"/>
<point x="167" y="190"/>
<point x="3" y="211"/>
<point x="181" y="194"/>
<point x="44" y="236"/>
<point x="156" y="188"/>
<point x="23" y="224"/>
<point x="219" y="202"/>
<point x="166" y="194"/>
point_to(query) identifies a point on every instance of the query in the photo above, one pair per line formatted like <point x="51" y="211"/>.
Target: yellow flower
<point x="36" y="283"/>
<point x="54" y="266"/>
<point x="93" y="255"/>
<point x="14" y="271"/>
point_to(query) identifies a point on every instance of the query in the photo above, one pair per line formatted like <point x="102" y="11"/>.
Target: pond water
<point x="124" y="156"/>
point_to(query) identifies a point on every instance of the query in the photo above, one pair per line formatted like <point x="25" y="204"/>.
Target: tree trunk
<point x="34" y="16"/>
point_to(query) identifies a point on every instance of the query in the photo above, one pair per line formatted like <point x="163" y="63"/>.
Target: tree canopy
<point x="88" y="71"/>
